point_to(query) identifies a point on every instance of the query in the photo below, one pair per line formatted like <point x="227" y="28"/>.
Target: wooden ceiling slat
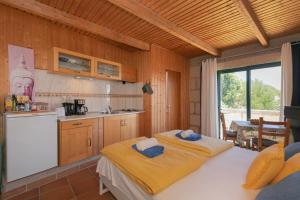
<point x="74" y="6"/>
<point x="100" y="12"/>
<point x="211" y="18"/>
<point x="60" y="4"/>
<point x="185" y="10"/>
<point x="67" y="5"/>
<point x="215" y="21"/>
<point x="196" y="11"/>
<point x="82" y="8"/>
<point x="96" y="8"/>
<point x="218" y="22"/>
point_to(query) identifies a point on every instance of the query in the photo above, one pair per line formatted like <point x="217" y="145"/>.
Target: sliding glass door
<point x="250" y="92"/>
<point x="233" y="96"/>
<point x="265" y="93"/>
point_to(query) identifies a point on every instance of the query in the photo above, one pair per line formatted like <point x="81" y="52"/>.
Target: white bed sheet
<point x="220" y="178"/>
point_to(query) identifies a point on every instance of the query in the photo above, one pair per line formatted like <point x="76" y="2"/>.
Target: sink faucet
<point x="109" y="109"/>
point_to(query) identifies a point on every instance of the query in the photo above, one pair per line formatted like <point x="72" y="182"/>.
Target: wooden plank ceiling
<point x="218" y="22"/>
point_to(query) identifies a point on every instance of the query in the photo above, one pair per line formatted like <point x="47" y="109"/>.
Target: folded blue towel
<point x="150" y="152"/>
<point x="192" y="137"/>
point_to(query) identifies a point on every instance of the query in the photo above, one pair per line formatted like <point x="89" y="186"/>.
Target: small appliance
<point x="80" y="108"/>
<point x="69" y="108"/>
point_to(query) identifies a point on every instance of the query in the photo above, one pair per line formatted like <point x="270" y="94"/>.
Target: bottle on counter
<point x="8" y="104"/>
<point x="14" y="103"/>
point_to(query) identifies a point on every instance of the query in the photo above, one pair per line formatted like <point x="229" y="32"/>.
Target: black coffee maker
<point x="69" y="108"/>
<point x="80" y="109"/>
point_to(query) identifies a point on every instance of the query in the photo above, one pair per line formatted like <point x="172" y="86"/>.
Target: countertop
<point x="28" y="114"/>
<point x="94" y="115"/>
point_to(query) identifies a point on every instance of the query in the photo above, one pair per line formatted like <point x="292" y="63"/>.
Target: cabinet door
<point x="69" y="62"/>
<point x="95" y="137"/>
<point x="105" y="69"/>
<point x="112" y="130"/>
<point x="75" y="144"/>
<point x="129" y="74"/>
<point x="129" y="127"/>
<point x="100" y="133"/>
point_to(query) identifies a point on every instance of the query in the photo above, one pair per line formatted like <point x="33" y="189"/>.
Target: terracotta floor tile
<point x="80" y="176"/>
<point x="85" y="186"/>
<point x="13" y="192"/>
<point x="54" y="185"/>
<point x="94" y="195"/>
<point x="81" y="186"/>
<point x="93" y="171"/>
<point x="89" y="164"/>
<point x="27" y="195"/>
<point x="64" y="193"/>
<point x="41" y="182"/>
<point x="68" y="172"/>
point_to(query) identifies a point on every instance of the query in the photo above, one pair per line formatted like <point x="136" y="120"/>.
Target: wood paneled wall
<point x="152" y="67"/>
<point x="23" y="29"/>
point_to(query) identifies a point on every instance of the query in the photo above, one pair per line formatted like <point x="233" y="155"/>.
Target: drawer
<point x="77" y="123"/>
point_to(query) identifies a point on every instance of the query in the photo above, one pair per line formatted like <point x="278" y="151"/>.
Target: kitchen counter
<point x="92" y="115"/>
<point x="28" y="114"/>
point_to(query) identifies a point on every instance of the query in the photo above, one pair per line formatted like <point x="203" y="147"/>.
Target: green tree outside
<point x="233" y="93"/>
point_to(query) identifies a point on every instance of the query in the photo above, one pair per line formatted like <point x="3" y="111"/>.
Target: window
<point x="250" y="92"/>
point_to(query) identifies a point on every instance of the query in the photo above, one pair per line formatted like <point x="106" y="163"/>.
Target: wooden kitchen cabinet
<point x="105" y="69"/>
<point x="78" y="139"/>
<point x="129" y="126"/>
<point x="100" y="133"/>
<point x="119" y="128"/>
<point x="73" y="63"/>
<point x="129" y="74"/>
<point x="112" y="130"/>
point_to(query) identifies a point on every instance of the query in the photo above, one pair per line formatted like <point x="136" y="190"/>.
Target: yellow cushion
<point x="265" y="167"/>
<point x="292" y="165"/>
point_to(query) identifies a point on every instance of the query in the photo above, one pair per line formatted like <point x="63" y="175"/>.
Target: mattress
<point x="221" y="177"/>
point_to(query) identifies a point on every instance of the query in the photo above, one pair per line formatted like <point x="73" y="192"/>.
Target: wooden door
<point x="112" y="130"/>
<point x="173" y="113"/>
<point x="129" y="127"/>
<point x="75" y="144"/>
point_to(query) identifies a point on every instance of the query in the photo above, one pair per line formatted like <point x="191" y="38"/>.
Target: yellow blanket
<point x="153" y="174"/>
<point x="207" y="146"/>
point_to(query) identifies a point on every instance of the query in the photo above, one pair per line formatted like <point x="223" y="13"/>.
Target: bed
<point x="220" y="177"/>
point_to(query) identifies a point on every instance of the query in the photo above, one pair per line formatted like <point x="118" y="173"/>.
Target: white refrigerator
<point x="30" y="143"/>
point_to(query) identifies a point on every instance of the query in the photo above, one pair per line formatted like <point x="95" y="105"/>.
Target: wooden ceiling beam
<point x="40" y="9"/>
<point x="251" y="18"/>
<point x="138" y="9"/>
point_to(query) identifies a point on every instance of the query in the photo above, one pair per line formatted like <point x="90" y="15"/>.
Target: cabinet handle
<point x="90" y="142"/>
<point x="77" y="124"/>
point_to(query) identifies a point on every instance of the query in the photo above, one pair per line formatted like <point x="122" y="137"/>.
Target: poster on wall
<point x="21" y="71"/>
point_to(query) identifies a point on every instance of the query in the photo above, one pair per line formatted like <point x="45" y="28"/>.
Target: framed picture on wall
<point x="21" y="71"/>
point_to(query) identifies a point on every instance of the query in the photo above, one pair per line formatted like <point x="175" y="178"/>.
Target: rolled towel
<point x="191" y="137"/>
<point x="187" y="133"/>
<point x="151" y="152"/>
<point x="146" y="144"/>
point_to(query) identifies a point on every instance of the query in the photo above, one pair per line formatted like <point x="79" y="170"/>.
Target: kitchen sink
<point x="119" y="111"/>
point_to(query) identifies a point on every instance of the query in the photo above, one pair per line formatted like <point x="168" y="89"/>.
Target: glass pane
<point x="233" y="97"/>
<point x="74" y="63"/>
<point x="265" y="93"/>
<point x="107" y="69"/>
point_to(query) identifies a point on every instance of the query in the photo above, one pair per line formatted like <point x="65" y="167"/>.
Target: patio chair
<point x="260" y="143"/>
<point x="227" y="134"/>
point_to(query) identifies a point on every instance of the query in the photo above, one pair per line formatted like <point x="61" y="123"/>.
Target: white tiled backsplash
<point x="54" y="83"/>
